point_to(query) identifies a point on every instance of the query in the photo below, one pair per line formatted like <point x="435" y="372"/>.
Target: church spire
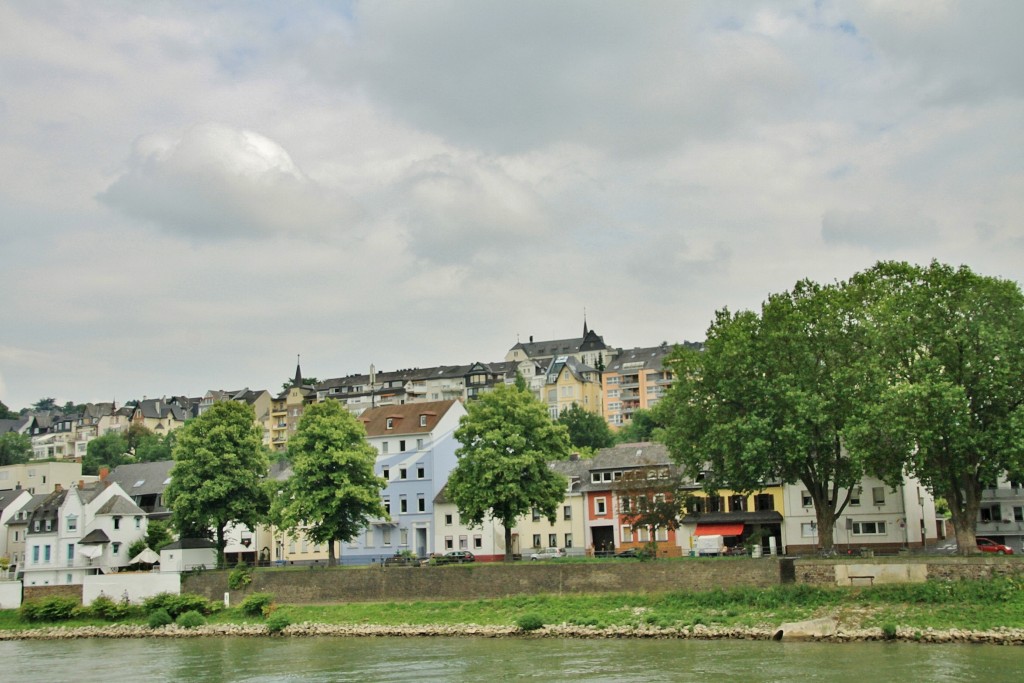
<point x="297" y="382"/>
<point x="585" y="330"/>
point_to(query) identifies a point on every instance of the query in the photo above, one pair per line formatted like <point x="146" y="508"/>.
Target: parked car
<point x="400" y="560"/>
<point x="987" y="545"/>
<point x="453" y="557"/>
<point x="640" y="553"/>
<point x="548" y="554"/>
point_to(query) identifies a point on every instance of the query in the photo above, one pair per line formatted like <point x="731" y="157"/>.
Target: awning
<point x="91" y="551"/>
<point x="719" y="530"/>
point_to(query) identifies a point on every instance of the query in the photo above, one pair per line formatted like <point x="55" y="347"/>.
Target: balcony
<point x="1000" y="528"/>
<point x="1016" y="494"/>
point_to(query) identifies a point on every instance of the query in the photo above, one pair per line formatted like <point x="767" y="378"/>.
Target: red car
<point x="987" y="545"/>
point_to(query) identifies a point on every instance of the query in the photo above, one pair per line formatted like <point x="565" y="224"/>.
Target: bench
<point x="869" y="579"/>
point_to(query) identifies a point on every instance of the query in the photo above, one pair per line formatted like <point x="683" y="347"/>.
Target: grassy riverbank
<point x="967" y="605"/>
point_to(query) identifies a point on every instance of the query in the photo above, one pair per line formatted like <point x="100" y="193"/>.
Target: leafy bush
<point x="889" y="631"/>
<point x="257" y="604"/>
<point x="104" y="607"/>
<point x="158" y="618"/>
<point x="240" y="576"/>
<point x="277" y="622"/>
<point x="55" y="608"/>
<point x="190" y="619"/>
<point x="178" y="604"/>
<point x="529" y="622"/>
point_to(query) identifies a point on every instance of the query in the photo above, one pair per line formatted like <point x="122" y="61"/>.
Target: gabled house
<point x="588" y="349"/>
<point x="12" y="540"/>
<point x="569" y="381"/>
<point x="286" y="409"/>
<point x="533" y="532"/>
<point x="621" y="480"/>
<point x="416" y="447"/>
<point x="160" y="415"/>
<point x="80" y="531"/>
<point x="145" y="483"/>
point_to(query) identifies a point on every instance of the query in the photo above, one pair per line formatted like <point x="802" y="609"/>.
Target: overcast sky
<point x="193" y="193"/>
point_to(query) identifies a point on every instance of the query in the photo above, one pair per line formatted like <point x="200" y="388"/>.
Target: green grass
<point x="976" y="605"/>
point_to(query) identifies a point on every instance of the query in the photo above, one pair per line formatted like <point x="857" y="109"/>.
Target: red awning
<point x="718" y="529"/>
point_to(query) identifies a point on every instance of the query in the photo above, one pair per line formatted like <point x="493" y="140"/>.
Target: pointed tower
<point x="297" y="382"/>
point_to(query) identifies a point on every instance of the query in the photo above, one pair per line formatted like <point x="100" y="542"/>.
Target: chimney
<point x="57" y="488"/>
<point x="574" y="457"/>
<point x="104" y="473"/>
<point x="81" y="484"/>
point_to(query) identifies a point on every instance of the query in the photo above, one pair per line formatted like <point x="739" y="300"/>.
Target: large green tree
<point x="219" y="473"/>
<point x="770" y="395"/>
<point x="587" y="430"/>
<point x="507" y="440"/>
<point x="6" y="413"/>
<point x="153" y="447"/>
<point x="333" y="492"/>
<point x="951" y="411"/>
<point x="643" y="426"/>
<point x="15" y="449"/>
<point x="109" y="450"/>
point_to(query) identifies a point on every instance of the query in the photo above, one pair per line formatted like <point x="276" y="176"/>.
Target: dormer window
<point x="423" y="420"/>
<point x="391" y="423"/>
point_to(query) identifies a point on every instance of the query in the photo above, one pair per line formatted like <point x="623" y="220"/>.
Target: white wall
<point x="138" y="585"/>
<point x="10" y="594"/>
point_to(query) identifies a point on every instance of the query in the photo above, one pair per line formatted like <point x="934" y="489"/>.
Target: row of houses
<point x="582" y="370"/>
<point x="74" y="528"/>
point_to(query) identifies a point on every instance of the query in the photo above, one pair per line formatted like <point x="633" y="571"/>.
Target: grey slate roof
<point x="142" y="478"/>
<point x="189" y="544"/>
<point x="119" y="506"/>
<point x="95" y="537"/>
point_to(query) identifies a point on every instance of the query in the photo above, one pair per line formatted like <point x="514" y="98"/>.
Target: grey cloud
<point x="881" y="229"/>
<point x="219" y="182"/>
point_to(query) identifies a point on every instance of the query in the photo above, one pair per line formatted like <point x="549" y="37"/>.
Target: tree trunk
<point x="332" y="561"/>
<point x="221" y="563"/>
<point x="964" y="504"/>
<point x="508" y="543"/>
<point x="825" y="518"/>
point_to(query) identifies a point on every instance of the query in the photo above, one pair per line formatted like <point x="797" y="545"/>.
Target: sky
<point x="194" y="193"/>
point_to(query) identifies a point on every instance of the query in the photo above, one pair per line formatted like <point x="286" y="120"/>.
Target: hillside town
<point x="60" y="525"/>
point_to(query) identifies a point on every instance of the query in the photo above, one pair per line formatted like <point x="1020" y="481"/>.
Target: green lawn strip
<point x="973" y="605"/>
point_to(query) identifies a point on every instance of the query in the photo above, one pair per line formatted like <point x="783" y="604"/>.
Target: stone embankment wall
<point x="857" y="571"/>
<point x="489" y="580"/>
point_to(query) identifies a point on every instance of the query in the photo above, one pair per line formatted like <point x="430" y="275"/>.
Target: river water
<point x="502" y="659"/>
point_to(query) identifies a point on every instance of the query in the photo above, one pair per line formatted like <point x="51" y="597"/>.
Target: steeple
<point x="297" y="382"/>
<point x="585" y="330"/>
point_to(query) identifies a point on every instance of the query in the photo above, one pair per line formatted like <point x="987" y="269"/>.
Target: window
<point x="869" y="528"/>
<point x="419" y="444"/>
<point x="643" y="534"/>
<point x="764" y="501"/>
<point x="305" y="545"/>
<point x="421" y="504"/>
<point x="600" y="506"/>
<point x="421" y="472"/>
<point x="387" y="506"/>
<point x="478" y="541"/>
<point x="71" y="553"/>
<point x="808" y="529"/>
<point x="138" y="522"/>
<point x="404" y="504"/>
<point x="1018" y="514"/>
<point x="568" y="541"/>
<point x="35" y="554"/>
<point x="661" y="533"/>
<point x="552" y="540"/>
<point x="536" y="514"/>
<point x="46" y="553"/>
<point x="386" y="473"/>
<point x="878" y="496"/>
<point x="385" y="535"/>
<point x="567" y="512"/>
<point x="390" y="423"/>
<point x="805" y="499"/>
<point x="627" y="534"/>
<point x="536" y="540"/>
<point x="855" y="497"/>
<point x="49" y="525"/>
<point x="448" y="519"/>
<point x="384" y="447"/>
<point x="449" y="543"/>
<point x="463" y="543"/>
<point x="72" y="523"/>
<point x="401" y="446"/>
<point x="423" y="420"/>
<point x="625" y="504"/>
<point x="738" y="503"/>
<point x="291" y="547"/>
<point x="403" y="473"/>
<point x="403" y="536"/>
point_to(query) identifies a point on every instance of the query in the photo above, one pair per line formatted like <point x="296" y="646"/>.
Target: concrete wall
<point x="842" y="572"/>
<point x="10" y="594"/>
<point x="488" y="580"/>
<point x="136" y="585"/>
<point x="38" y="592"/>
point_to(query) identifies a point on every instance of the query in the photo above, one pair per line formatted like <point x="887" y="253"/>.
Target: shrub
<point x="277" y="622"/>
<point x="529" y="622"/>
<point x="257" y="604"/>
<point x="240" y="576"/>
<point x="159" y="618"/>
<point x="54" y="608"/>
<point x="104" y="607"/>
<point x="889" y="631"/>
<point x="190" y="619"/>
<point x="178" y="604"/>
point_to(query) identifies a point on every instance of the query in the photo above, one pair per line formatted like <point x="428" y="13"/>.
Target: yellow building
<point x="286" y="409"/>
<point x="741" y="519"/>
<point x="570" y="381"/>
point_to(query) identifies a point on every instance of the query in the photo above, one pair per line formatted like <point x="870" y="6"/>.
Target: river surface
<point x="502" y="659"/>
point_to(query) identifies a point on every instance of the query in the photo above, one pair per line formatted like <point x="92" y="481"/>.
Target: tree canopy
<point x="507" y="440"/>
<point x="587" y="430"/>
<point x="6" y="413"/>
<point x="333" y="492"/>
<point x="950" y="412"/>
<point x="644" y="426"/>
<point x="15" y="449"/>
<point x="109" y="450"/>
<point x="770" y="396"/>
<point x="219" y="473"/>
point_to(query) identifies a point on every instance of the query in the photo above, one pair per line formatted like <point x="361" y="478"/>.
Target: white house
<point x="878" y="517"/>
<point x="81" y="531"/>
